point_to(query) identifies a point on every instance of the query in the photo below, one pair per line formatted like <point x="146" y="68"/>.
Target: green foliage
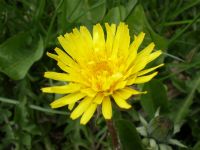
<point x="158" y="133"/>
<point x="197" y="146"/>
<point x="30" y="28"/>
<point x="128" y="135"/>
<point x="154" y="99"/>
<point x="18" y="54"/>
<point x="183" y="111"/>
<point x="137" y="25"/>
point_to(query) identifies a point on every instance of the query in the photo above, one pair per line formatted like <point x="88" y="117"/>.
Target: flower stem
<point x="113" y="134"/>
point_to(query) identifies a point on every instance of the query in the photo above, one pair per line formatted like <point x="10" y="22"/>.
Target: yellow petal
<point x="120" y="85"/>
<point x="88" y="113"/>
<point x="116" y="41"/>
<point x="98" y="38"/>
<point x="127" y="92"/>
<point x="142" y="59"/>
<point x="71" y="106"/>
<point x="137" y="42"/>
<point x="99" y="98"/>
<point x="57" y="76"/>
<point x="67" y="45"/>
<point x="144" y="79"/>
<point x="62" y="56"/>
<point x="143" y="72"/>
<point x="80" y="44"/>
<point x="69" y="88"/>
<point x="113" y="28"/>
<point x="124" y="42"/>
<point x="107" y="108"/>
<point x="154" y="55"/>
<point x="120" y="101"/>
<point x="69" y="99"/>
<point x="90" y="92"/>
<point x="71" y="47"/>
<point x="64" y="67"/>
<point x="81" y="108"/>
<point x="110" y="30"/>
<point x="87" y="36"/>
<point x="65" y="77"/>
<point x="134" y="48"/>
<point x="131" y="80"/>
<point x="146" y="51"/>
<point x="138" y="66"/>
<point x="53" y="56"/>
<point x="116" y="78"/>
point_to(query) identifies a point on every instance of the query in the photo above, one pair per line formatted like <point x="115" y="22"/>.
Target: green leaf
<point x="128" y="135"/>
<point x="84" y="11"/>
<point x="40" y="10"/>
<point x="197" y="146"/>
<point x="95" y="11"/>
<point x="155" y="98"/>
<point x="138" y="22"/>
<point x="26" y="139"/>
<point x="130" y="5"/>
<point x="18" y="53"/>
<point x="120" y="13"/>
<point x="153" y="144"/>
<point x="176" y="142"/>
<point x="184" y="109"/>
<point x="116" y="14"/>
<point x="164" y="147"/>
<point x="187" y="5"/>
<point x="142" y="130"/>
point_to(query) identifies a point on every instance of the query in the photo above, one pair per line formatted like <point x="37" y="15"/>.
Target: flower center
<point x="102" y="67"/>
<point x="103" y="75"/>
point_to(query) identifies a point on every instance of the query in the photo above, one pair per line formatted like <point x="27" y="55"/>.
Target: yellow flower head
<point x="99" y="70"/>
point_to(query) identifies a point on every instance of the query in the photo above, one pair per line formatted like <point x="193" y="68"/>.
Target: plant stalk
<point x="113" y="134"/>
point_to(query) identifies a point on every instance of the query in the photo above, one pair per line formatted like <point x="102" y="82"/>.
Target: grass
<point x="30" y="28"/>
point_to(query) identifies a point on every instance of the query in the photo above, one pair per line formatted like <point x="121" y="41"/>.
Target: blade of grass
<point x="174" y="23"/>
<point x="185" y="107"/>
<point x="173" y="56"/>
<point x="10" y="101"/>
<point x="185" y="7"/>
<point x="35" y="107"/>
<point x="40" y="10"/>
<point x="175" y="73"/>
<point x="48" y="110"/>
<point x="177" y="35"/>
<point x="51" y="23"/>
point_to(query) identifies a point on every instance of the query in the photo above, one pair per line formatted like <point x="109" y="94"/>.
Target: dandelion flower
<point x="100" y="70"/>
